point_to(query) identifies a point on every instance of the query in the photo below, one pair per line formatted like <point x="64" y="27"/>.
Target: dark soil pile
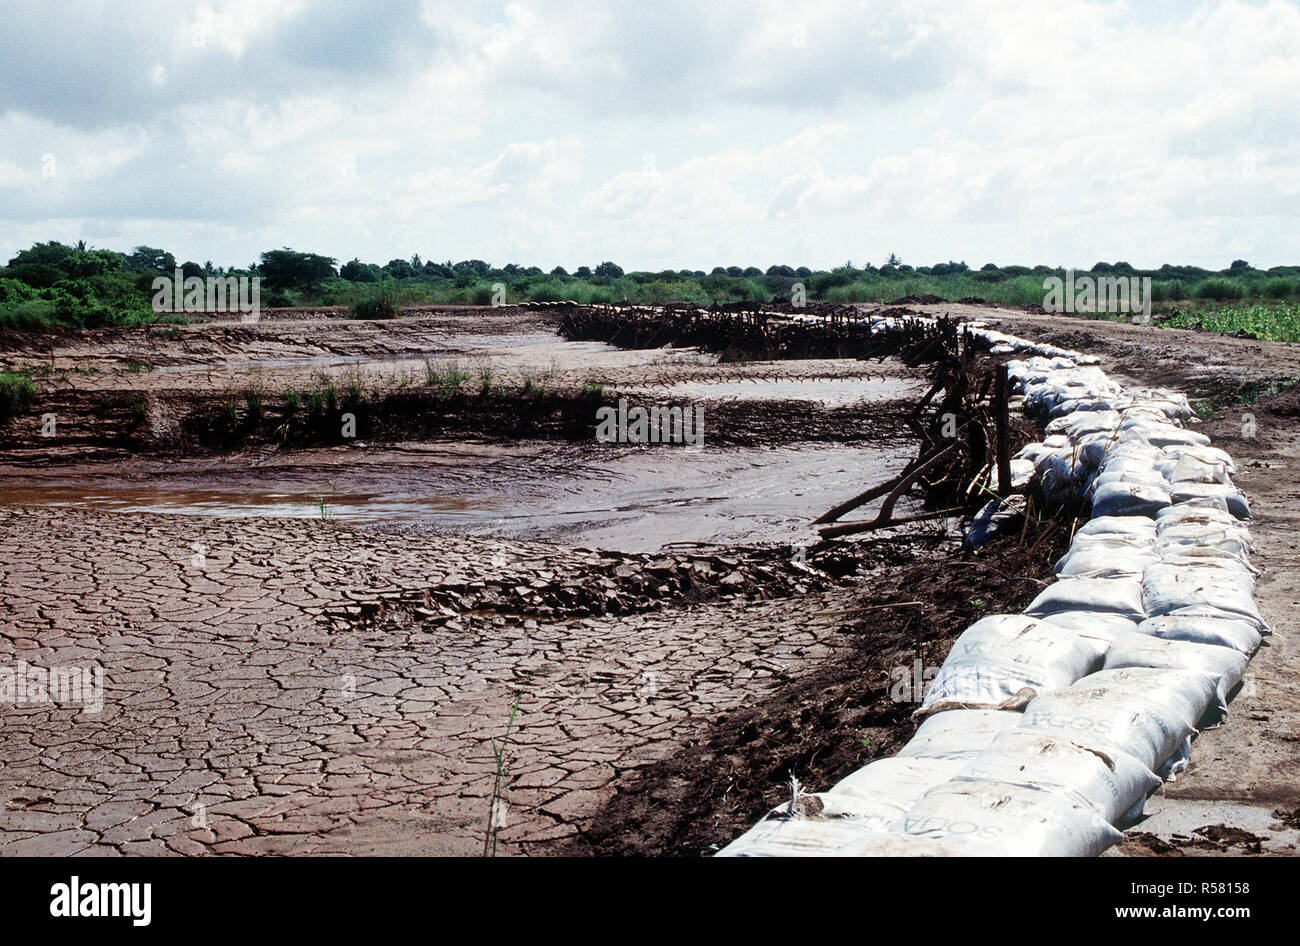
<point x="824" y="726"/>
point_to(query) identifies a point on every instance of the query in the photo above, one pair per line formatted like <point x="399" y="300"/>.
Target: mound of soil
<point x="823" y="726"/>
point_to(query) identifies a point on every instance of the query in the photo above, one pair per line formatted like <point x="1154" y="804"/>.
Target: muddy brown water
<point x="615" y="496"/>
<point x="618" y="497"/>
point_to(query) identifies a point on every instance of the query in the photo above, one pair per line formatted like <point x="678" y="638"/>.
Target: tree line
<point x="57" y="285"/>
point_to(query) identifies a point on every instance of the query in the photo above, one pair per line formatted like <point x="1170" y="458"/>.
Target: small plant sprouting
<point x="494" y="809"/>
<point x="322" y="507"/>
<point x="253" y="405"/>
<point x="324" y="394"/>
<point x="354" y="393"/>
<point x="446" y="378"/>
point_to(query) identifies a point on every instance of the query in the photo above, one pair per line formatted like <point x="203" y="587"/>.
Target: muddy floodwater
<point x="626" y="498"/>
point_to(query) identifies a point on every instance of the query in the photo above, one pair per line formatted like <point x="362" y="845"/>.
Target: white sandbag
<point x="1060" y="475"/>
<point x="1096" y="628"/>
<point x="995" y="517"/>
<point x="1122" y="596"/>
<point x="1191" y="519"/>
<point x="1233" y="497"/>
<point x="1172" y="405"/>
<point x="1139" y="529"/>
<point x="1133" y="451"/>
<point x="838" y="823"/>
<point x="1148" y="713"/>
<point x="1114" y="785"/>
<point x="1129" y="499"/>
<point x="1212" y="455"/>
<point x="780" y="836"/>
<point x="1167" y="589"/>
<point x="1219" y="563"/>
<point x="1192" y="538"/>
<point x="1224" y="664"/>
<point x="1104" y="560"/>
<point x="1192" y="469"/>
<point x="1139" y="464"/>
<point x="1081" y="423"/>
<point x="958" y="734"/>
<point x="1033" y="452"/>
<point x="1147" y="478"/>
<point x="909" y="845"/>
<point x="1002" y="819"/>
<point x="1208" y="629"/>
<point x="1160" y="435"/>
<point x="1091" y="448"/>
<point x="889" y="787"/>
<point x="1193" y="557"/>
<point x="1208" y="507"/>
<point x="1022" y="471"/>
<point x="998" y="657"/>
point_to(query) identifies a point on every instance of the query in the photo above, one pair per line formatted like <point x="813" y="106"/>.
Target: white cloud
<point x="1016" y="130"/>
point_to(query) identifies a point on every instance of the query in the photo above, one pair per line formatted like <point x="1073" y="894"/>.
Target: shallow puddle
<point x="831" y="392"/>
<point x="630" y="498"/>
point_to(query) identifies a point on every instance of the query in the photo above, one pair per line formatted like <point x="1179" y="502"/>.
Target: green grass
<point x="16" y="395"/>
<point x="31" y="316"/>
<point x="446" y="377"/>
<point x="253" y="405"/>
<point x="324" y="394"/>
<point x="1252" y="390"/>
<point x="354" y="390"/>
<point x="1273" y="321"/>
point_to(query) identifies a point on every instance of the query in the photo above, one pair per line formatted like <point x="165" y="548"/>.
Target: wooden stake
<point x="1000" y="396"/>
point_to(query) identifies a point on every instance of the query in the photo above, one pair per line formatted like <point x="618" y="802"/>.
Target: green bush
<point x="16" y="395"/>
<point x="546" y="292"/>
<point x="1165" y="290"/>
<point x="32" y="316"/>
<point x="1219" y="289"/>
<point x="479" y="294"/>
<point x="1279" y="288"/>
<point x="379" y="303"/>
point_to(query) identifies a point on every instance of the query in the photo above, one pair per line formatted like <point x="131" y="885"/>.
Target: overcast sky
<point x="658" y="135"/>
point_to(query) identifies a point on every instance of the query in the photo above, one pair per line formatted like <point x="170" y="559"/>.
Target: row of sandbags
<point x="1043" y="733"/>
